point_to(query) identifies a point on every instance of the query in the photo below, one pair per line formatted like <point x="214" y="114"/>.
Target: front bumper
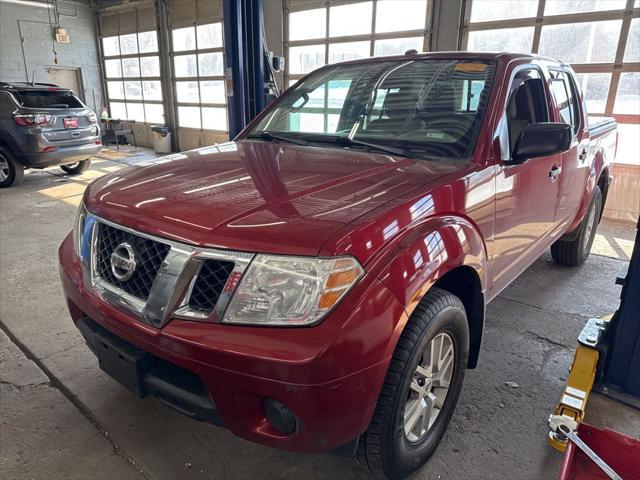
<point x="329" y="375"/>
<point x="62" y="156"/>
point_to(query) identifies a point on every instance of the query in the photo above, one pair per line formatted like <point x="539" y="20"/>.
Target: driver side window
<point x="527" y="104"/>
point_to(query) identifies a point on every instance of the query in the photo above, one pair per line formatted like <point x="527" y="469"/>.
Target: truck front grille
<point x="211" y="280"/>
<point x="149" y="255"/>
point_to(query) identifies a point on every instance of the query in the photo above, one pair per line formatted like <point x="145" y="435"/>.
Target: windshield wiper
<point x="346" y="141"/>
<point x="270" y="137"/>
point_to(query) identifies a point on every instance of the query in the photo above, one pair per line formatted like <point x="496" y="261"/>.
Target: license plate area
<point x="70" y="123"/>
<point x="124" y="362"/>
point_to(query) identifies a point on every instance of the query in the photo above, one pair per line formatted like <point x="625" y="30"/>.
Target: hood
<point x="257" y="196"/>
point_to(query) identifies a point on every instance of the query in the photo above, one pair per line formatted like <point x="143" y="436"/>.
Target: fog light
<point x="280" y="416"/>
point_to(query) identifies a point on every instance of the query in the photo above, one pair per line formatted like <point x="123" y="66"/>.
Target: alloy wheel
<point x="429" y="387"/>
<point x="4" y="168"/>
<point x="590" y="227"/>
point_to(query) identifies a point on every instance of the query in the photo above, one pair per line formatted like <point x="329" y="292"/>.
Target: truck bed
<point x="601" y="125"/>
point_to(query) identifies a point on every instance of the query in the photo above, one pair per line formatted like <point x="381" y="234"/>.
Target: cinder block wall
<point x="20" y="23"/>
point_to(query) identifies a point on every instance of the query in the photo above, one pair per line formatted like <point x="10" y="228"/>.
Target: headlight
<point x="78" y="227"/>
<point x="279" y="290"/>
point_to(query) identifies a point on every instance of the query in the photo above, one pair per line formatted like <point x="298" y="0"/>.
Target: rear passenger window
<point x="566" y="99"/>
<point x="5" y="102"/>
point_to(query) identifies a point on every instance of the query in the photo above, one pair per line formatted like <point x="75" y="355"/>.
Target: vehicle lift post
<point x="607" y="358"/>
<point x="244" y="57"/>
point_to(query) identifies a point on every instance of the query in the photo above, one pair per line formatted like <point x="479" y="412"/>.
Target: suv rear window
<point x="49" y="99"/>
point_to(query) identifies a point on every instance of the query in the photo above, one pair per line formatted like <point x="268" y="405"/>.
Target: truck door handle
<point x="554" y="172"/>
<point x="583" y="156"/>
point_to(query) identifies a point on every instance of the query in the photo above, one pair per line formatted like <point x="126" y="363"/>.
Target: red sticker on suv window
<point x="70" y="123"/>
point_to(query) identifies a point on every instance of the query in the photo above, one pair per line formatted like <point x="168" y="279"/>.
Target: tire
<point x="11" y="172"/>
<point x="390" y="447"/>
<point x="575" y="250"/>
<point x="77" y="168"/>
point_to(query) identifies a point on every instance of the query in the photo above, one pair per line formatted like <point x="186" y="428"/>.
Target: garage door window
<point x="199" y="77"/>
<point x="340" y="32"/>
<point x="599" y="38"/>
<point x="132" y="68"/>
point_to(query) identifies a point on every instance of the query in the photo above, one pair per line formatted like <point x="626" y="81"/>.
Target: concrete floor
<point x="63" y="418"/>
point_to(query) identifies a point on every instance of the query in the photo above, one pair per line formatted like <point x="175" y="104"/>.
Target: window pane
<point x="154" y="113"/>
<point x="184" y="39"/>
<point x="115" y="90"/>
<point x="595" y="88"/>
<point x="398" y="15"/>
<point x="559" y="90"/>
<point x="185" y="66"/>
<point x="351" y="19"/>
<point x="503" y="40"/>
<point x="214" y="118"/>
<point x="148" y="42"/>
<point x="581" y="42"/>
<point x="485" y="10"/>
<point x="397" y="46"/>
<point x="212" y="91"/>
<point x="135" y="111"/>
<point x="557" y="7"/>
<point x="189" y="117"/>
<point x="210" y="64"/>
<point x="210" y="36"/>
<point x="113" y="68"/>
<point x="305" y="59"/>
<point x="130" y="67"/>
<point x="133" y="90"/>
<point x="308" y="24"/>
<point x="128" y="44"/>
<point x="110" y="46"/>
<point x="632" y="50"/>
<point x="340" y="52"/>
<point x="187" y="92"/>
<point x="628" y="143"/>
<point x="628" y="95"/>
<point x="118" y="110"/>
<point x="149" y="66"/>
<point x="152" y="90"/>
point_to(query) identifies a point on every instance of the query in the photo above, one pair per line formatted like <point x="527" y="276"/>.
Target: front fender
<point x="415" y="261"/>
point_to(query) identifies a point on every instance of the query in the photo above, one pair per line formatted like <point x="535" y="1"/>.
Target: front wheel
<point x="76" y="168"/>
<point x="575" y="251"/>
<point x="421" y="388"/>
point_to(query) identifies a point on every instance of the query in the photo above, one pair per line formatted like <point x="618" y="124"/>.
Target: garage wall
<point x="32" y="25"/>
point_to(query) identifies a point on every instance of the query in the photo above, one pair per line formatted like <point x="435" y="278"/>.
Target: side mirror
<point x="541" y="140"/>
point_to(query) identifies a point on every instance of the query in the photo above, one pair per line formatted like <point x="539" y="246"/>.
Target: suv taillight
<point x="92" y="118"/>
<point x="31" y="120"/>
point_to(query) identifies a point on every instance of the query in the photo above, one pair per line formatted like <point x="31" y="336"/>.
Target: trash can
<point x="161" y="138"/>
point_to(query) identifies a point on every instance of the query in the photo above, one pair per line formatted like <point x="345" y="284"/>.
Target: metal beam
<point x="244" y="59"/>
<point x="166" y="69"/>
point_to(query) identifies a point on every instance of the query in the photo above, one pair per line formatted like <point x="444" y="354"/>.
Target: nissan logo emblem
<point x="123" y="262"/>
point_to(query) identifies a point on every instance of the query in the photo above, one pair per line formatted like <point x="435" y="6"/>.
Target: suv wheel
<point x="575" y="252"/>
<point x="77" y="168"/>
<point x="420" y="390"/>
<point x="11" y="172"/>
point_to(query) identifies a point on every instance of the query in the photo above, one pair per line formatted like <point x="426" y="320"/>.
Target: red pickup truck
<point x="321" y="281"/>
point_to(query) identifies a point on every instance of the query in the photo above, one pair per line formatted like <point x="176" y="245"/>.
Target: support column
<point x="166" y="70"/>
<point x="447" y="25"/>
<point x="244" y="59"/>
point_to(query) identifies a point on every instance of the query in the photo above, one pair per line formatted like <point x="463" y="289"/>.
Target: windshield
<point x="425" y="107"/>
<point x="49" y="99"/>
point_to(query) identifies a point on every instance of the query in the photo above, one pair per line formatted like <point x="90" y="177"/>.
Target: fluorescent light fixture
<point x="28" y="3"/>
